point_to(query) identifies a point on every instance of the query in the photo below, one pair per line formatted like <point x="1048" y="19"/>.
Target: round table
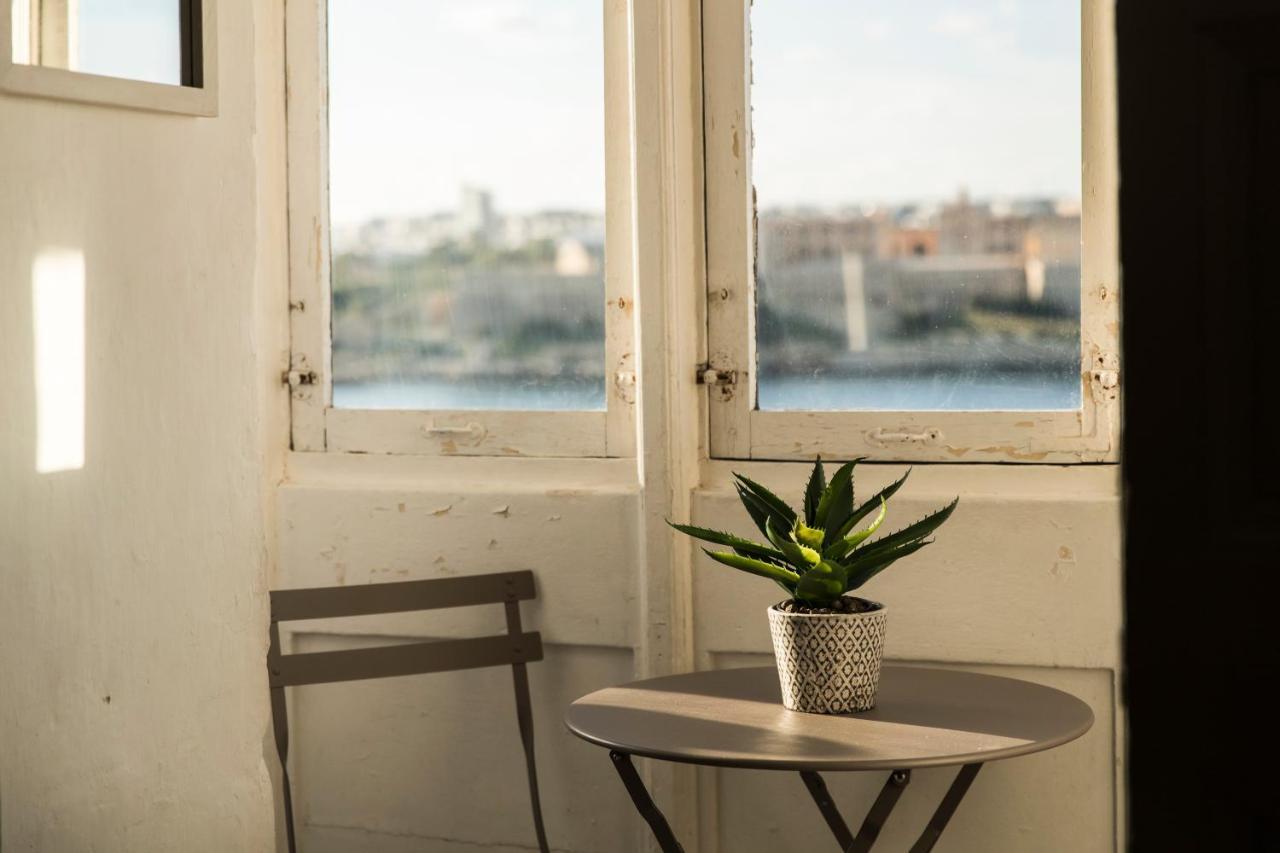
<point x="923" y="717"/>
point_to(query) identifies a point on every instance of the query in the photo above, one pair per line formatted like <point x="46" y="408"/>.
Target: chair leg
<point x="280" y="727"/>
<point x="524" y="715"/>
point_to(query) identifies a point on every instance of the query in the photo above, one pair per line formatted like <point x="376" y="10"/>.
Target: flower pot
<point x="828" y="663"/>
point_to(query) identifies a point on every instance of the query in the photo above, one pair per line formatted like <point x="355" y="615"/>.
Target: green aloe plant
<point x="818" y="555"/>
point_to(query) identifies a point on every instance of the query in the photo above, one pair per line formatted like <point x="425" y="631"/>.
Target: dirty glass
<point x="132" y="39"/>
<point x="466" y="193"/>
<point x="917" y="168"/>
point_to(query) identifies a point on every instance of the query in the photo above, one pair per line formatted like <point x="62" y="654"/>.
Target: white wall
<point x="133" y="703"/>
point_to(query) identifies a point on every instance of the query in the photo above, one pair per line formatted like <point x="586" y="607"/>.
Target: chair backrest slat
<point x="514" y="649"/>
<point x="407" y="659"/>
<point x="332" y="602"/>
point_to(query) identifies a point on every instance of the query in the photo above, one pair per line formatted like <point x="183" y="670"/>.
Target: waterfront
<point x="1020" y="391"/>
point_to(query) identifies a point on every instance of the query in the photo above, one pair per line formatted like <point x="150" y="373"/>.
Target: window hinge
<point x="708" y="375"/>
<point x="294" y="378"/>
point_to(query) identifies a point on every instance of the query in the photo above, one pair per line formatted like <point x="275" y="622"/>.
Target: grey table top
<point x="923" y="718"/>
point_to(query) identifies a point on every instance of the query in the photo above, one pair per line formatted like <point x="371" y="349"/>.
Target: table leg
<point x="876" y="816"/>
<point x="644" y="803"/>
<point x="946" y="808"/>
<point x="821" y="796"/>
<point x="879" y="812"/>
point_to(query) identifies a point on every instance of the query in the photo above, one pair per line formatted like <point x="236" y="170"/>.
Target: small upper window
<point x="467" y="227"/>
<point x="154" y="41"/>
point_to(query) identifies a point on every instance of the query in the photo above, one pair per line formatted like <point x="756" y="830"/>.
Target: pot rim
<point x="879" y="608"/>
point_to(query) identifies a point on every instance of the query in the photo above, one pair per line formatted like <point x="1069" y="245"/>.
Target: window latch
<point x="708" y="375"/>
<point x="295" y="378"/>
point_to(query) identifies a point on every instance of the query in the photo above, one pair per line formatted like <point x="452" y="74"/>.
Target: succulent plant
<point x="818" y="555"/>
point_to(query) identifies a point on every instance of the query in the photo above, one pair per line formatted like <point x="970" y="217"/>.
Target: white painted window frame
<point x="48" y="32"/>
<point x="316" y="424"/>
<point x="740" y="431"/>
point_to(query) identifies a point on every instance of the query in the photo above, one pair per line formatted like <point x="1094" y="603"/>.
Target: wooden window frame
<point x="740" y="431"/>
<point x="197" y="96"/>
<point x="316" y="425"/>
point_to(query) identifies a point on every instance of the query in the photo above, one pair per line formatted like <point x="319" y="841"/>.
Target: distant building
<point x="581" y="255"/>
<point x="476" y="222"/>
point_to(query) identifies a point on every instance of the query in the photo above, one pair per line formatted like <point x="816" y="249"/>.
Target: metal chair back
<point x="515" y="648"/>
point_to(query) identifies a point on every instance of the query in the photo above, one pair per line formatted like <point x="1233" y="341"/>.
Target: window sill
<point x="58" y="84"/>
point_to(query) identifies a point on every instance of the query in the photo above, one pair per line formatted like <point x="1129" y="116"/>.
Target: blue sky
<point x="856" y="101"/>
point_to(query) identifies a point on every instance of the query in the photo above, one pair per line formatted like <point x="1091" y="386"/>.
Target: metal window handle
<point x="880" y="435"/>
<point x="472" y="430"/>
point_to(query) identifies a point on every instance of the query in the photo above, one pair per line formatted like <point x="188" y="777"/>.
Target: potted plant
<point x="828" y="644"/>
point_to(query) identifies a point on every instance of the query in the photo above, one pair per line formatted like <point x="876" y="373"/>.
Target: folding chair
<point x="515" y="648"/>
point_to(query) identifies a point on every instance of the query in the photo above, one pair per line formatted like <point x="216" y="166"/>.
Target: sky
<point x="855" y="101"/>
<point x="136" y="39"/>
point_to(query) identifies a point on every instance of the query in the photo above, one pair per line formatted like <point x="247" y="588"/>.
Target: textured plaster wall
<point x="133" y="708"/>
<point x="1024" y="581"/>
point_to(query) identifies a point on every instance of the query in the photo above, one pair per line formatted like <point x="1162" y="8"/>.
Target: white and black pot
<point x="828" y="663"/>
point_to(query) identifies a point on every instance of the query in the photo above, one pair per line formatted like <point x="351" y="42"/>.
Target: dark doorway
<point x="1200" y="251"/>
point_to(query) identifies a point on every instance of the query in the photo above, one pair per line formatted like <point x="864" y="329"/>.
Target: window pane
<point x="133" y="39"/>
<point x="917" y="167"/>
<point x="466" y="158"/>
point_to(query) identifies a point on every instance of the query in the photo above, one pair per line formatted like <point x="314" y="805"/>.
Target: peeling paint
<point x="504" y="510"/>
<point x="1015" y="453"/>
<point x="444" y="510"/>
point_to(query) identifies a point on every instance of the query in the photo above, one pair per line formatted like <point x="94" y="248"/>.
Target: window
<point x="454" y="261"/>
<point x="148" y="54"/>
<point x="909" y="226"/>
<point x="896" y="207"/>
<point x="462" y="278"/>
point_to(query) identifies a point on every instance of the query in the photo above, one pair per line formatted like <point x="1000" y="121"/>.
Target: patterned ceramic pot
<point x="828" y="663"/>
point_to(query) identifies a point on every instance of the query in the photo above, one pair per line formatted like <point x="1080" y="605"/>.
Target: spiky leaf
<point x="759" y="511"/>
<point x="865" y="568"/>
<point x="823" y="583"/>
<point x="870" y="506"/>
<point x="797" y="555"/>
<point x="813" y="491"/>
<point x="919" y="530"/>
<point x="809" y="536"/>
<point x="755" y="567"/>
<point x="779" y="506"/>
<point x="737" y="543"/>
<point x="837" y="501"/>
<point x="843" y="547"/>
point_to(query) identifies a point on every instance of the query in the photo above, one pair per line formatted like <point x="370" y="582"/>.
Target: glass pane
<point x="133" y="39"/>
<point x="917" y="167"/>
<point x="137" y="39"/>
<point x="466" y="181"/>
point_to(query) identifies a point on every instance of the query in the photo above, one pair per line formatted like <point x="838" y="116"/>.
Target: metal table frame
<point x="733" y="718"/>
<point x="849" y="843"/>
